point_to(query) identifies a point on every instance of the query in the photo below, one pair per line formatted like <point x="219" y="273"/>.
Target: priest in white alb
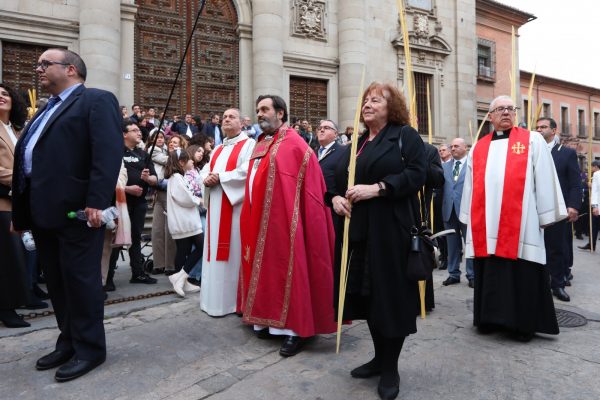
<point x="511" y="193"/>
<point x="225" y="183"/>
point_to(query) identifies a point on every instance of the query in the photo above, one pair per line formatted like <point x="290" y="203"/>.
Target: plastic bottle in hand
<point x="108" y="216"/>
<point x="28" y="241"/>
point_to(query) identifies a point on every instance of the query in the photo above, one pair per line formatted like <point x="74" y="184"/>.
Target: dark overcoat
<point x="380" y="228"/>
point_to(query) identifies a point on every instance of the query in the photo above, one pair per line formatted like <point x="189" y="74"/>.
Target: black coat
<point x="329" y="162"/>
<point x="568" y="172"/>
<point x="380" y="230"/>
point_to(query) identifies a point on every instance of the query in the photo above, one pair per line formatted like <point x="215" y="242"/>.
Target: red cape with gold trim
<point x="286" y="278"/>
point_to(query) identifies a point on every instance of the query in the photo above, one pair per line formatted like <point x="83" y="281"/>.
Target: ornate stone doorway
<point x="18" y="60"/>
<point x="308" y="99"/>
<point x="209" y="80"/>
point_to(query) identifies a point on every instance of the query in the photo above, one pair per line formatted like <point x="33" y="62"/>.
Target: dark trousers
<point x="557" y="255"/>
<point x="185" y="257"/>
<point x="70" y="259"/>
<point x="137" y="215"/>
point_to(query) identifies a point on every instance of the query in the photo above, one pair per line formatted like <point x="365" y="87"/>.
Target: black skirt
<point x="514" y="294"/>
<point x="13" y="291"/>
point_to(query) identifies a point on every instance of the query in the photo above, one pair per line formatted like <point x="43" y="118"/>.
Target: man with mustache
<point x="286" y="279"/>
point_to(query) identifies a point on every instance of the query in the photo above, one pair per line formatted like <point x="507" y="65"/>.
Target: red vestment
<point x="286" y="278"/>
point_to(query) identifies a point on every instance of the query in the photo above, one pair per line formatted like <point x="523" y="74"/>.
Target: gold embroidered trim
<point x="262" y="234"/>
<point x="293" y="228"/>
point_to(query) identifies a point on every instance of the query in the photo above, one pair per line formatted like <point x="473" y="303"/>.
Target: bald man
<point x="454" y="175"/>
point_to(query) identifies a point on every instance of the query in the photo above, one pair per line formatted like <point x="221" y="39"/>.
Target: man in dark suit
<point x="558" y="237"/>
<point x="329" y="152"/>
<point x="212" y="129"/>
<point x="65" y="161"/>
<point x="186" y="127"/>
<point x="454" y="176"/>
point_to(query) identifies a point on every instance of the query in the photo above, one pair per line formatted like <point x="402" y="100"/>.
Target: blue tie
<point x="21" y="176"/>
<point x="321" y="150"/>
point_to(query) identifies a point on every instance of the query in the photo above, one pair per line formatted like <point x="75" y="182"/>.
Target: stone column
<point x="246" y="89"/>
<point x="267" y="46"/>
<point x="127" y="67"/>
<point x="100" y="42"/>
<point x="353" y="49"/>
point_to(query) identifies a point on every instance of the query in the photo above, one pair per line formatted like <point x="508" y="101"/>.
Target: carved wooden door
<point x="18" y="67"/>
<point x="209" y="80"/>
<point x="308" y="99"/>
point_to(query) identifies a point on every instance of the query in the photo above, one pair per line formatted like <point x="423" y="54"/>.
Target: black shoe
<point x="388" y="392"/>
<point x="36" y="305"/>
<point x="372" y="368"/>
<point x="158" y="271"/>
<point x="109" y="286"/>
<point x="560" y="294"/>
<point x="567" y="283"/>
<point x="523" y="336"/>
<point x="580" y="236"/>
<point x="53" y="360"/>
<point x="292" y="345"/>
<point x="570" y="277"/>
<point x="264" y="334"/>
<point x="471" y="283"/>
<point x="143" y="278"/>
<point x="451" y="281"/>
<point x="40" y="293"/>
<point x="586" y="247"/>
<point x="75" y="368"/>
<point x="11" y="319"/>
<point x="169" y="272"/>
<point x="443" y="265"/>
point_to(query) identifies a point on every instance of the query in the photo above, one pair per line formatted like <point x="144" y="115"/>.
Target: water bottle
<point x="28" y="241"/>
<point x="108" y="216"/>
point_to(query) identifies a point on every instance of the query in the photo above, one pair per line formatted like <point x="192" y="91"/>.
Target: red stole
<point x="511" y="213"/>
<point x="224" y="242"/>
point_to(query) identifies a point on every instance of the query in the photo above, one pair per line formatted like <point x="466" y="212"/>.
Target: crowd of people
<point x="252" y="216"/>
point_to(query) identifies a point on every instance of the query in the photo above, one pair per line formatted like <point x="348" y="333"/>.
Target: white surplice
<point x="220" y="278"/>
<point x="543" y="202"/>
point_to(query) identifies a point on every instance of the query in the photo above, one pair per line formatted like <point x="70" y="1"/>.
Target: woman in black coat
<point x="390" y="169"/>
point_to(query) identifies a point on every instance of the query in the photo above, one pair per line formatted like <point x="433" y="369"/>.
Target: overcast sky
<point x="563" y="42"/>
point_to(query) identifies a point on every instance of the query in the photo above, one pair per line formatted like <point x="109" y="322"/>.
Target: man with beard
<point x="286" y="279"/>
<point x="511" y="192"/>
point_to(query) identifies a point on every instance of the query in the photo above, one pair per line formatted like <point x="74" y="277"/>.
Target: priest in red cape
<point x="511" y="193"/>
<point x="286" y="278"/>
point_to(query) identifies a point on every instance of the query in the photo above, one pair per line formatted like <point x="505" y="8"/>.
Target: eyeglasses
<point x="326" y="128"/>
<point x="542" y="127"/>
<point x="501" y="110"/>
<point x="44" y="64"/>
<point x="134" y="130"/>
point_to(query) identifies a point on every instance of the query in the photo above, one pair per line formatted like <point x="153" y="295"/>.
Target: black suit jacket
<point x="181" y="128"/>
<point x="329" y="162"/>
<point x="567" y="169"/>
<point x="76" y="161"/>
<point x="209" y="130"/>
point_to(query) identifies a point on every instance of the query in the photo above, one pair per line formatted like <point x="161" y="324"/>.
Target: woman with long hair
<point x="183" y="219"/>
<point x="13" y="281"/>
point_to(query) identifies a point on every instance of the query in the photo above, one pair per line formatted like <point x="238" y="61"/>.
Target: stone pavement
<point x="166" y="348"/>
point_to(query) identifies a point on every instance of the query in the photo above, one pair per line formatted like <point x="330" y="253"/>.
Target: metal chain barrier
<point x="33" y="315"/>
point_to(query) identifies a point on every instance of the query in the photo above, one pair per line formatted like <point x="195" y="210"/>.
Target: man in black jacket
<point x="559" y="237"/>
<point x="64" y="161"/>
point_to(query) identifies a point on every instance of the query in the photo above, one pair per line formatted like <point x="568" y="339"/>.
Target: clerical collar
<point x="501" y="134"/>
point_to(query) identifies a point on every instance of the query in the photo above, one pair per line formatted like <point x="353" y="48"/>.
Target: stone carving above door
<point x="309" y="19"/>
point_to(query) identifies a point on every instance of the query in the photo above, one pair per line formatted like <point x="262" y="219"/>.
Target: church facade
<point x="311" y="52"/>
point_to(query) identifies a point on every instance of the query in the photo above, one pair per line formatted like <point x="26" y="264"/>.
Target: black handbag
<point x="421" y="255"/>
